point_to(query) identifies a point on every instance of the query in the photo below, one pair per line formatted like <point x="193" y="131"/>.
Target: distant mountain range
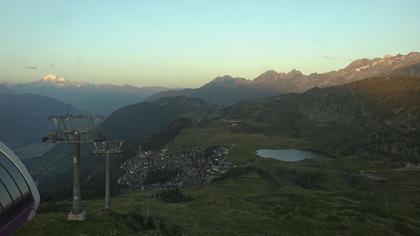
<point x="103" y="99"/>
<point x="228" y="90"/>
<point x="100" y="99"/>
<point x="161" y="108"/>
<point x="24" y="117"/>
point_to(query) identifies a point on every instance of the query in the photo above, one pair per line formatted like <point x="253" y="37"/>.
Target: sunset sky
<point x="187" y="43"/>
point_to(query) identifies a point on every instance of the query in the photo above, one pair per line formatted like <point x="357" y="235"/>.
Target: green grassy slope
<point x="260" y="197"/>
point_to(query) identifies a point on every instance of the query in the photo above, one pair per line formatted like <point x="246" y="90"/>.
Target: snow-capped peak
<point x="50" y="78"/>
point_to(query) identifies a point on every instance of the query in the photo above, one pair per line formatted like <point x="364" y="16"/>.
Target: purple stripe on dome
<point x="16" y="221"/>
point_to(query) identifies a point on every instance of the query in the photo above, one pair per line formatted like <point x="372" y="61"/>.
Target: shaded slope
<point x="24" y="117"/>
<point x="149" y="117"/>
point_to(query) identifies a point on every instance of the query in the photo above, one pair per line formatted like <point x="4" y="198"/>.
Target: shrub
<point x="310" y="180"/>
<point x="173" y="196"/>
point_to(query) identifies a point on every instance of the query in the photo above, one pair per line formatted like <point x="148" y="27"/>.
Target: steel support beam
<point x="77" y="213"/>
<point x="107" y="183"/>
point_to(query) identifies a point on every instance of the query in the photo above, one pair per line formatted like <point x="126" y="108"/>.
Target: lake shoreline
<point x="292" y="154"/>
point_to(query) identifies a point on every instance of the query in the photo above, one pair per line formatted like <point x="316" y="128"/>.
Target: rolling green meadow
<point x="257" y="197"/>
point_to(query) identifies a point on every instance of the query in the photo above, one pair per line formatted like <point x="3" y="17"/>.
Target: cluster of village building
<point x="189" y="166"/>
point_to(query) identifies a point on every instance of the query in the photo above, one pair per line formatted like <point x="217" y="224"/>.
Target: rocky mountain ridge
<point x="376" y="118"/>
<point x="272" y="82"/>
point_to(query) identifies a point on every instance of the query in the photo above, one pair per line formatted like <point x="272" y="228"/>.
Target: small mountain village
<point x="163" y="170"/>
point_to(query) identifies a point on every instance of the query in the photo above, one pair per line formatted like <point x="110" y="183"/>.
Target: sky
<point x="186" y="43"/>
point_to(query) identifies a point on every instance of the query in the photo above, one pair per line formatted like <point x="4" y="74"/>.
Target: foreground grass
<point x="259" y="197"/>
